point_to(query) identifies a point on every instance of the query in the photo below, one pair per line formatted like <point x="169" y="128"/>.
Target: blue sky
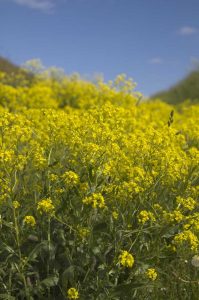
<point x="153" y="41"/>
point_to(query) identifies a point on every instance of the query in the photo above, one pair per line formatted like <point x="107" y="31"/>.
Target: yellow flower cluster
<point x="46" y="206"/>
<point x="16" y="204"/>
<point x="174" y="216"/>
<point x="70" y="178"/>
<point x="126" y="259"/>
<point x="68" y="145"/>
<point x="72" y="294"/>
<point x="29" y="220"/>
<point x="151" y="274"/>
<point x="83" y="232"/>
<point x="192" y="221"/>
<point x="187" y="203"/>
<point x="189" y="237"/>
<point x="115" y="215"/>
<point x="145" y="216"/>
<point x="96" y="200"/>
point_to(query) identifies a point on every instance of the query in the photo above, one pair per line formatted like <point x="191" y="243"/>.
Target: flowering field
<point x="99" y="192"/>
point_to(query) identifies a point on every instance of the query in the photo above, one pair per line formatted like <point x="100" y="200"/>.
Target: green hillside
<point x="13" y="74"/>
<point x="8" y="67"/>
<point x="188" y="88"/>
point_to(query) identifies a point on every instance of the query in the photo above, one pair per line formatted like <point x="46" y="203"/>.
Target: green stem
<point x="49" y="252"/>
<point x="135" y="239"/>
<point x="64" y="223"/>
<point x="19" y="252"/>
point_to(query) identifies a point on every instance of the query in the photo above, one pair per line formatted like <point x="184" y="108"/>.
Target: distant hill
<point x="14" y="73"/>
<point x="188" y="88"/>
<point x="7" y="66"/>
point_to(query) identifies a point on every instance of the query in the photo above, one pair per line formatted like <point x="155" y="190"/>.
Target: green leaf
<point x="8" y="248"/>
<point x="125" y="290"/>
<point x="8" y="224"/>
<point x="100" y="227"/>
<point x="68" y="276"/>
<point x="37" y="250"/>
<point x="50" y="281"/>
<point x="6" y="297"/>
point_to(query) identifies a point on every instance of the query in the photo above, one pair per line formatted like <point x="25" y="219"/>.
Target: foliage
<point x="186" y="89"/>
<point x="13" y="74"/>
<point x="99" y="192"/>
<point x="8" y="67"/>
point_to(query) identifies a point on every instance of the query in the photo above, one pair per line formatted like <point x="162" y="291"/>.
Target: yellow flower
<point x="96" y="200"/>
<point x="84" y="187"/>
<point x="151" y="274"/>
<point x="158" y="207"/>
<point x="126" y="259"/>
<point x="46" y="206"/>
<point x="29" y="220"/>
<point x="171" y="248"/>
<point x="53" y="177"/>
<point x="145" y="216"/>
<point x="115" y="215"/>
<point x="189" y="237"/>
<point x="83" y="232"/>
<point x="16" y="204"/>
<point x="192" y="222"/>
<point x="175" y="216"/>
<point x="73" y="294"/>
<point x="70" y="178"/>
<point x="188" y="203"/>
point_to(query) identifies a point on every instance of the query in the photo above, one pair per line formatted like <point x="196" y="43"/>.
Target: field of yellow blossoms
<point x="99" y="191"/>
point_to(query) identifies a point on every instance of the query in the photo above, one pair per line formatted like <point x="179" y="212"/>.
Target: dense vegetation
<point x="7" y="66"/>
<point x="186" y="89"/>
<point x="99" y="191"/>
<point x="14" y="73"/>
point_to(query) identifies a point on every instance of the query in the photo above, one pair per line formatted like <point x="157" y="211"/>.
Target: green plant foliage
<point x="186" y="89"/>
